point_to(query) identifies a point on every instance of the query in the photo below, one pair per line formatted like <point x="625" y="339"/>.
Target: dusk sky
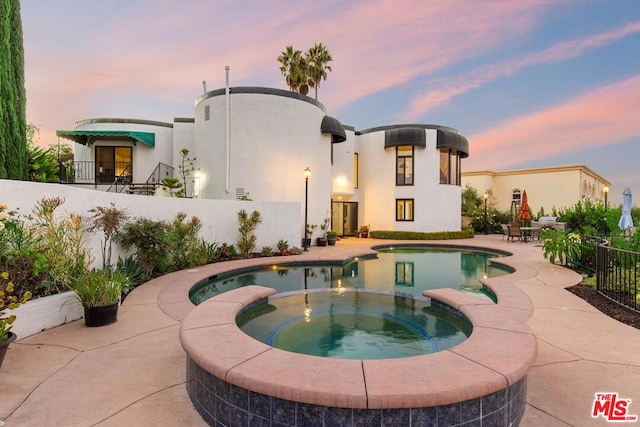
<point x="529" y="83"/>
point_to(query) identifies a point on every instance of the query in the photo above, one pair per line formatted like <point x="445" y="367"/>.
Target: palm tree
<point x="317" y="59"/>
<point x="293" y="68"/>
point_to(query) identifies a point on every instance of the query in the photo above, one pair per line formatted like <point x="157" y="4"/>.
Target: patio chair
<point x="514" y="232"/>
<point x="505" y="231"/>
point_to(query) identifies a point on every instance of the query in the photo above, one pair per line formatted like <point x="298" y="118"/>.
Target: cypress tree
<point x="13" y="124"/>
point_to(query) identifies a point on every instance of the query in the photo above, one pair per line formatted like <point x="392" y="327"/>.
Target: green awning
<point x="82" y="136"/>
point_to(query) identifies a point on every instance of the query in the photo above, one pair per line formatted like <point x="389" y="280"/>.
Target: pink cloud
<point x="376" y="45"/>
<point x="604" y="116"/>
<point x="444" y="90"/>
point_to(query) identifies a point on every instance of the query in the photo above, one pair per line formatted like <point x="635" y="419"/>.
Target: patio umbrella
<point x="626" y="222"/>
<point x="525" y="211"/>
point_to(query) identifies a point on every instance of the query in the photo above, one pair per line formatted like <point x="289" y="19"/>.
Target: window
<point x="404" y="273"/>
<point x="355" y="170"/>
<point x="404" y="165"/>
<point x="207" y="112"/>
<point x="404" y="210"/>
<point x="450" y="167"/>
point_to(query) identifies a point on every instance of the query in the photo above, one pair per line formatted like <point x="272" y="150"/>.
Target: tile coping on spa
<point x="499" y="352"/>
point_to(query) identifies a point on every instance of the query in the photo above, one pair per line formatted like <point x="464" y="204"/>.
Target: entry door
<point x="112" y="162"/>
<point x="344" y="218"/>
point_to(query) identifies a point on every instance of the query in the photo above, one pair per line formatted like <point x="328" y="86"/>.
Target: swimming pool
<point x="409" y="269"/>
<point x="231" y="375"/>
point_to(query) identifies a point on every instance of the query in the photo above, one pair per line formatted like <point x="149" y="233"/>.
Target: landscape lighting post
<point x="606" y="202"/>
<point x="307" y="174"/>
<point x="485" y="196"/>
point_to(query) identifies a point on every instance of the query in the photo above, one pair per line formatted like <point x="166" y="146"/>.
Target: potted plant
<point x="309" y="232"/>
<point x="332" y="236"/>
<point x="324" y="228"/>
<point x="364" y="231"/>
<point x="9" y="301"/>
<point x="99" y="293"/>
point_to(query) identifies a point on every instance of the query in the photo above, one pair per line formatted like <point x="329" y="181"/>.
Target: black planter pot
<point x="331" y="241"/>
<point x="4" y="345"/>
<point x="101" y="316"/>
<point x="321" y="241"/>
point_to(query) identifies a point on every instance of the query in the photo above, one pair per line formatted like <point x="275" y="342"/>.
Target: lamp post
<point x="485" y="196"/>
<point x="606" y="203"/>
<point x="307" y="174"/>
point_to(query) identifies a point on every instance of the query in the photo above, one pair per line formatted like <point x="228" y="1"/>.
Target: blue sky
<point x="529" y="83"/>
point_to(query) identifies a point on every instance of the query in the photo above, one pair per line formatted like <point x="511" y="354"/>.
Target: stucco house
<point x="256" y="142"/>
<point x="547" y="188"/>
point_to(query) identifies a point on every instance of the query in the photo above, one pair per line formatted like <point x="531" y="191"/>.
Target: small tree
<point x="246" y="232"/>
<point x="173" y="186"/>
<point x="108" y="220"/>
<point x="187" y="169"/>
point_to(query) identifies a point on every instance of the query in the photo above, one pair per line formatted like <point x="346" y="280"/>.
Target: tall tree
<point x="13" y="125"/>
<point x="318" y="58"/>
<point x="303" y="70"/>
<point x="293" y="67"/>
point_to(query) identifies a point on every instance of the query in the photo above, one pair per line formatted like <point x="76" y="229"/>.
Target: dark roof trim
<point x="259" y="91"/>
<point x="122" y="121"/>
<point x="453" y="141"/>
<point x="405" y="136"/>
<point x="334" y="127"/>
<point x="82" y="136"/>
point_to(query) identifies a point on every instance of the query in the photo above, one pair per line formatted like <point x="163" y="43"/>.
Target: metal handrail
<point x="124" y="178"/>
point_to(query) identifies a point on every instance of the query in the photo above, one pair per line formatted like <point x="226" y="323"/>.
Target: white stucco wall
<point x="274" y="137"/>
<point x="343" y="179"/>
<point x="219" y="217"/>
<point x="436" y="206"/>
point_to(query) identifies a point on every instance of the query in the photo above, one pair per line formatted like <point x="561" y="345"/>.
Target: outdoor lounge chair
<point x="505" y="231"/>
<point x="514" y="232"/>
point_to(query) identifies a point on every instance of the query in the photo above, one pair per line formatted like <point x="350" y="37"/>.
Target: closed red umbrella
<point x="525" y="211"/>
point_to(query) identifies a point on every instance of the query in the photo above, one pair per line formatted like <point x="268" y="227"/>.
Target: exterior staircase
<point x="144" y="189"/>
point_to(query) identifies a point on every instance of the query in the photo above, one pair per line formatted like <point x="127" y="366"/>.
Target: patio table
<point x="529" y="232"/>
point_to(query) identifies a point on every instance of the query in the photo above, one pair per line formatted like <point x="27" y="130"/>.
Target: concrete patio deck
<point x="133" y="372"/>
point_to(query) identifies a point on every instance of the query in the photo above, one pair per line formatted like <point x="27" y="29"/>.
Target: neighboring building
<point x="256" y="142"/>
<point x="548" y="188"/>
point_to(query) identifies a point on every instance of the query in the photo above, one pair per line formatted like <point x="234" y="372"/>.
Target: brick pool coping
<point x="498" y="354"/>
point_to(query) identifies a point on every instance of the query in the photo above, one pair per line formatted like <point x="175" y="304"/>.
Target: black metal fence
<point x="588" y="253"/>
<point x="617" y="275"/>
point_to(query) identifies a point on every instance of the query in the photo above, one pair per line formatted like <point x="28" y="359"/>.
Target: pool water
<point x="410" y="270"/>
<point x="354" y="324"/>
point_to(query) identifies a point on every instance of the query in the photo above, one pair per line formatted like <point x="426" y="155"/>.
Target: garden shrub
<point x="416" y="235"/>
<point x="150" y="243"/>
<point x="246" y="232"/>
<point x="185" y="246"/>
<point x="62" y="244"/>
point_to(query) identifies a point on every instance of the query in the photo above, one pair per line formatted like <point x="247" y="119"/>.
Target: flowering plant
<point x="561" y="246"/>
<point x="9" y="301"/>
